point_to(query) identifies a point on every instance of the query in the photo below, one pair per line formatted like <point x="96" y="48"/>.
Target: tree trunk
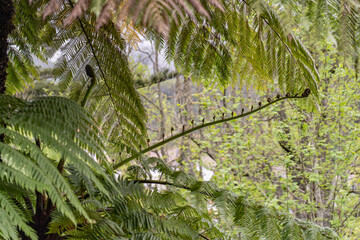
<point x="6" y="26"/>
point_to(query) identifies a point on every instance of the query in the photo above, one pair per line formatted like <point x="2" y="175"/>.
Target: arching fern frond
<point x="133" y="211"/>
<point x="253" y="220"/>
<point x="149" y="14"/>
<point x="246" y="43"/>
<point x="35" y="152"/>
<point x="8" y="230"/>
<point x="24" y="43"/>
<point x="13" y="218"/>
<point x="113" y="100"/>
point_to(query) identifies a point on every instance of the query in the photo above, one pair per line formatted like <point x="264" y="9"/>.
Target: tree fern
<point x="141" y="217"/>
<point x="254" y="220"/>
<point x="33" y="148"/>
<point x="150" y="14"/>
<point x="13" y="217"/>
<point x="133" y="211"/>
<point x="245" y="43"/>
<point x="113" y="100"/>
<point x="52" y="147"/>
<point x="25" y="42"/>
<point x="8" y="230"/>
<point x="291" y="230"/>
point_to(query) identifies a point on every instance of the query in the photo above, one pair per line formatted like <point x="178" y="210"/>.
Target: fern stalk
<point x="184" y="133"/>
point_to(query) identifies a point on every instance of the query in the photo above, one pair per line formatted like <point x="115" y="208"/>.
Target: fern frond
<point x="33" y="145"/>
<point x="148" y="14"/>
<point x="16" y="219"/>
<point x="248" y="39"/>
<point x="291" y="230"/>
<point x="255" y="221"/>
<point x="25" y="42"/>
<point x="7" y="229"/>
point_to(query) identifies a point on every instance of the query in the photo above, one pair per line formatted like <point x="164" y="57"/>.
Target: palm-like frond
<point x="246" y="43"/>
<point x="254" y="221"/>
<point x="32" y="147"/>
<point x="113" y="100"/>
<point x="331" y="20"/>
<point x="246" y="39"/>
<point x="138" y="213"/>
<point x="24" y="43"/>
<point x="13" y="217"/>
<point x="150" y="14"/>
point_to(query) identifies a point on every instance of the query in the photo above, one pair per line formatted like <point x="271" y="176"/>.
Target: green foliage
<point x="32" y="149"/>
<point x="254" y="221"/>
<point x="13" y="217"/>
<point x="301" y="163"/>
<point x="54" y="158"/>
<point x="134" y="211"/>
<point x="113" y="100"/>
<point x="25" y="42"/>
<point x="247" y="39"/>
<point x="247" y="43"/>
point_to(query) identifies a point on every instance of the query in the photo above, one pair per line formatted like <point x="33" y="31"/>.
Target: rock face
<point x="6" y="26"/>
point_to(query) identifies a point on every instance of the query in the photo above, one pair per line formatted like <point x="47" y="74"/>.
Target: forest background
<point x="296" y="157"/>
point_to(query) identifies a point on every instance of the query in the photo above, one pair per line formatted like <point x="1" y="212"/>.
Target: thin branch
<point x="203" y="236"/>
<point x="149" y="101"/>
<point x="347" y="217"/>
<point x="199" y="145"/>
<point x="150" y="181"/>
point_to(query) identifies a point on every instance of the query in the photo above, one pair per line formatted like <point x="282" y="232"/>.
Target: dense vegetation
<point x="253" y="134"/>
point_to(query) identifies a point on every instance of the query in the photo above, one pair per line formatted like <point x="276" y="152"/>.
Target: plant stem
<point x="176" y="136"/>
